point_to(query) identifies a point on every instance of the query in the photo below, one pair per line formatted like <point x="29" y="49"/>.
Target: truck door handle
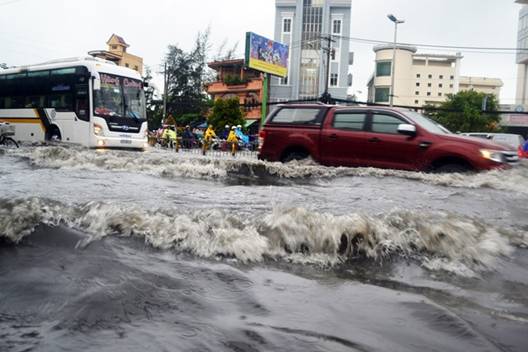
<point x="425" y="144"/>
<point x="333" y="137"/>
<point x="374" y="140"/>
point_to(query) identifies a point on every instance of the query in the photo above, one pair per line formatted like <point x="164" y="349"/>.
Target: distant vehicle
<point x="87" y="101"/>
<point x="515" y="141"/>
<point x="379" y="137"/>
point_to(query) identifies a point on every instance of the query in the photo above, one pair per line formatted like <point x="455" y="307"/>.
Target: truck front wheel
<point x="297" y="155"/>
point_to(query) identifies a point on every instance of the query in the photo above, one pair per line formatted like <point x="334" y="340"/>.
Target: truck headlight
<point x="98" y="130"/>
<point x="493" y="155"/>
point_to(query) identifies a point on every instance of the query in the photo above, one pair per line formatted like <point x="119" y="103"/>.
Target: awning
<point x="250" y="122"/>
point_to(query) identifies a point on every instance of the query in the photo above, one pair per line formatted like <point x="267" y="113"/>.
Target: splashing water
<point x="172" y="165"/>
<point x="440" y="241"/>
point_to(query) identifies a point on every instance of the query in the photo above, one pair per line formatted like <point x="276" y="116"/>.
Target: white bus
<point x="86" y="100"/>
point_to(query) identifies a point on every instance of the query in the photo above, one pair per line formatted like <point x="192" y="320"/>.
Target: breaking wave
<point x="167" y="164"/>
<point x="439" y="241"/>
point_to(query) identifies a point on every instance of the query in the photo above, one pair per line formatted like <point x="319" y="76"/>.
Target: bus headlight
<point x="98" y="130"/>
<point x="493" y="155"/>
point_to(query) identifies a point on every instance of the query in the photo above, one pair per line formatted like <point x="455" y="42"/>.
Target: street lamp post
<point x="393" y="65"/>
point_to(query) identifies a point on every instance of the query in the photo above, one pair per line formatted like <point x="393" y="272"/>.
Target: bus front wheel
<point x="54" y="134"/>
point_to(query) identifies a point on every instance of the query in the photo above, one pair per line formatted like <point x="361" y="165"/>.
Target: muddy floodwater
<point x="158" y="251"/>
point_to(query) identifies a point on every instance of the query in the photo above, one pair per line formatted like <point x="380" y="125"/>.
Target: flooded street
<point x="130" y="251"/>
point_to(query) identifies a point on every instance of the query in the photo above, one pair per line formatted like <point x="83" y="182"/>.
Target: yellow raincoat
<point x="209" y="134"/>
<point x="232" y="137"/>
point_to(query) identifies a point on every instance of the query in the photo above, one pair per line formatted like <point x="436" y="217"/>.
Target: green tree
<point x="154" y="106"/>
<point x="462" y="112"/>
<point x="226" y="112"/>
<point x="186" y="75"/>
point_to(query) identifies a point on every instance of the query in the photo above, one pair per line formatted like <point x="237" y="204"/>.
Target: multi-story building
<point x="303" y="25"/>
<point x="522" y="55"/>
<point x="484" y="85"/>
<point x="236" y="81"/>
<point x="117" y="53"/>
<point x="419" y="79"/>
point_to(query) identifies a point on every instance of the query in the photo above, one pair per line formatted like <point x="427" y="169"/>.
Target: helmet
<point x="226" y="126"/>
<point x="233" y="128"/>
<point x="239" y="126"/>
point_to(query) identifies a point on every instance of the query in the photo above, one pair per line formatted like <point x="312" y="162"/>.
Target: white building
<point x="301" y="24"/>
<point x="421" y="79"/>
<point x="522" y="56"/>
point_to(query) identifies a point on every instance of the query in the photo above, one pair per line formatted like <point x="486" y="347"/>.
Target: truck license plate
<point x="126" y="141"/>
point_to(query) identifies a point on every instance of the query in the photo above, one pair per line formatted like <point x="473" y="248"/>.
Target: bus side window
<point x="81" y="101"/>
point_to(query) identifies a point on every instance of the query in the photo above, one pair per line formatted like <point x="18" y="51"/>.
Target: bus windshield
<point x="119" y="97"/>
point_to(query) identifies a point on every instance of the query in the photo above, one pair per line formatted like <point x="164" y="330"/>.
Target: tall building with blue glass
<point x="302" y="25"/>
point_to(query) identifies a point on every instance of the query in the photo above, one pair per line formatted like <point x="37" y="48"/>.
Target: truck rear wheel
<point x="453" y="168"/>
<point x="294" y="156"/>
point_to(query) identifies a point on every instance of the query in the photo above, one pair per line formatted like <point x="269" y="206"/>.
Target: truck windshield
<point x="427" y="123"/>
<point x="119" y="97"/>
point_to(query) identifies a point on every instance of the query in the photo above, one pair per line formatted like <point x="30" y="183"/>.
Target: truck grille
<point x="511" y="157"/>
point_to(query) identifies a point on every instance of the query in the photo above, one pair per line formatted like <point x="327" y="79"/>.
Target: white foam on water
<point x="168" y="164"/>
<point x="440" y="241"/>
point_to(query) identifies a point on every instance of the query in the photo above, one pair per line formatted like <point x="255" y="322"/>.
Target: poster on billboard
<point x="266" y="55"/>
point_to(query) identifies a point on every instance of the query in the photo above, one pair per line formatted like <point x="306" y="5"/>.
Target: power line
<point x="9" y="2"/>
<point x="434" y="46"/>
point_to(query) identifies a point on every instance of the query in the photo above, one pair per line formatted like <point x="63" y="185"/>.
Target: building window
<point x="382" y="95"/>
<point x="440" y="85"/>
<point x="286" y="25"/>
<point x="418" y="75"/>
<point x="383" y="68"/>
<point x="336" y="27"/>
<point x="333" y="54"/>
<point x="333" y="79"/>
<point x="417" y="102"/>
<point x="450" y="86"/>
<point x="439" y="94"/>
<point x="441" y="76"/>
<point x="417" y="93"/>
<point x="429" y="84"/>
<point x="284" y="81"/>
<point x="136" y="68"/>
<point x="428" y="94"/>
<point x="452" y="77"/>
<point x="114" y="47"/>
<point x="430" y="76"/>
<point x="126" y="65"/>
<point x="417" y="84"/>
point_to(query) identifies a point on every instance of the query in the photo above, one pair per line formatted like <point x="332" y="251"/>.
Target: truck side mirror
<point x="407" y="129"/>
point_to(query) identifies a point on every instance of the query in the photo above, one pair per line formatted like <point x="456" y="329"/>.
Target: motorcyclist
<point x="188" y="137"/>
<point x="169" y="136"/>
<point x="232" y="139"/>
<point x="209" y="134"/>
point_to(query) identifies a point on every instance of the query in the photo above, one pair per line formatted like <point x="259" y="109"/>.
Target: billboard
<point x="266" y="55"/>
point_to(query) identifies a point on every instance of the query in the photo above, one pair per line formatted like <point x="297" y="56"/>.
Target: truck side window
<point x="349" y="121"/>
<point x="385" y="124"/>
<point x="296" y="116"/>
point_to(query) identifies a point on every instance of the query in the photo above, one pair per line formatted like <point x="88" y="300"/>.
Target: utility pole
<point x="393" y="63"/>
<point x="165" y="92"/>
<point x="328" y="49"/>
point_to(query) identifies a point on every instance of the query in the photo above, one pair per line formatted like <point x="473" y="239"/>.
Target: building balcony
<point x="222" y="88"/>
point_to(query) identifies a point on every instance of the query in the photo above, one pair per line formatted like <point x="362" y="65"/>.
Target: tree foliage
<point x="154" y="106"/>
<point x="462" y="112"/>
<point x="226" y="112"/>
<point x="186" y="75"/>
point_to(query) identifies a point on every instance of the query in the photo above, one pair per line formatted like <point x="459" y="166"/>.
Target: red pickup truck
<point x="379" y="137"/>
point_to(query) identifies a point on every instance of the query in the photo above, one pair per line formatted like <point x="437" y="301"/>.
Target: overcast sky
<point x="32" y="31"/>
